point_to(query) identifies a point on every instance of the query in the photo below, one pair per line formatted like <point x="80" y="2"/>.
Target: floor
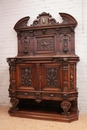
<point x="15" y="123"/>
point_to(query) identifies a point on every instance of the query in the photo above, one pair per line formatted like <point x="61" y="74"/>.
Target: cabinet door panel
<point x="51" y="78"/>
<point x="26" y="76"/>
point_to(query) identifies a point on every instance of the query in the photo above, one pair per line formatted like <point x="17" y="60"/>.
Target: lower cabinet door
<point x="26" y="76"/>
<point x="51" y="77"/>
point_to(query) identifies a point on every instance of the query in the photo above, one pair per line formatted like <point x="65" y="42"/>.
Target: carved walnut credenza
<point x="43" y="74"/>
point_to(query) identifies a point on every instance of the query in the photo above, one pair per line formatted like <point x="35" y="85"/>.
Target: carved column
<point x="12" y="94"/>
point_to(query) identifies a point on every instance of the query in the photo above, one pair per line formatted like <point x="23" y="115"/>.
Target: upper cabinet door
<point x="51" y="77"/>
<point x="26" y="76"/>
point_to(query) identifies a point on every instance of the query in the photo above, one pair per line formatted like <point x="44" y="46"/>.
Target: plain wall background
<point x="13" y="10"/>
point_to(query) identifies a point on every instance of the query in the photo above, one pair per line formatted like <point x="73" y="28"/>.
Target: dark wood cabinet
<point x="43" y="74"/>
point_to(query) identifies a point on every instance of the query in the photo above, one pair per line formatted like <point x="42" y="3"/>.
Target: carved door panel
<point x="51" y="77"/>
<point x="26" y="76"/>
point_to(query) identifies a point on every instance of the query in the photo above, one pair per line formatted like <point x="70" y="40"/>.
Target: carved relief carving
<point x="38" y="32"/>
<point x="44" y="19"/>
<point x="14" y="102"/>
<point x="11" y="61"/>
<point x="13" y="68"/>
<point x="65" y="106"/>
<point x="71" y="76"/>
<point x="22" y="23"/>
<point x="26" y="78"/>
<point x="52" y="77"/>
<point x="65" y="43"/>
<point x="25" y="41"/>
<point x="45" y="44"/>
<point x="64" y="31"/>
<point x="44" y="31"/>
<point x="50" y="31"/>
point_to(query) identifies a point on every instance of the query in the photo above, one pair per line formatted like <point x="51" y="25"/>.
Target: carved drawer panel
<point x="51" y="96"/>
<point x="30" y="95"/>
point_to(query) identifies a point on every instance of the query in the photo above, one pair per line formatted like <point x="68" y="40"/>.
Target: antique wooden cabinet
<point x="43" y="74"/>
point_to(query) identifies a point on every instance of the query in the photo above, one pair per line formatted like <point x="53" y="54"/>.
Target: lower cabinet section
<point x="43" y="89"/>
<point x="49" y="106"/>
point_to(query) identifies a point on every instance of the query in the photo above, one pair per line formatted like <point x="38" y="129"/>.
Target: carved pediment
<point x="67" y="19"/>
<point x="45" y="19"/>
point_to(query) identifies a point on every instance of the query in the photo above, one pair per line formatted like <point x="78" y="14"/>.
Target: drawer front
<point x="27" y="95"/>
<point x="51" y="96"/>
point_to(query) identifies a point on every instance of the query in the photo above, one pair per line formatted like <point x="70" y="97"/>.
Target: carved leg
<point x="14" y="103"/>
<point x="65" y="106"/>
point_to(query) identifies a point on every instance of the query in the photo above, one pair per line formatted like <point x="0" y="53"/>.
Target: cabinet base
<point x="45" y="116"/>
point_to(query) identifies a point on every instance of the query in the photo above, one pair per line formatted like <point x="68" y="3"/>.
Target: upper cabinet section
<point x="46" y="36"/>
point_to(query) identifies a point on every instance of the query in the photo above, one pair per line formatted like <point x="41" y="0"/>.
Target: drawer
<point x="51" y="96"/>
<point x="29" y="95"/>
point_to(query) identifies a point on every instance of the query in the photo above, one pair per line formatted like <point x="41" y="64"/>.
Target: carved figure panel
<point x="65" y="44"/>
<point x="25" y="41"/>
<point x="45" y="44"/>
